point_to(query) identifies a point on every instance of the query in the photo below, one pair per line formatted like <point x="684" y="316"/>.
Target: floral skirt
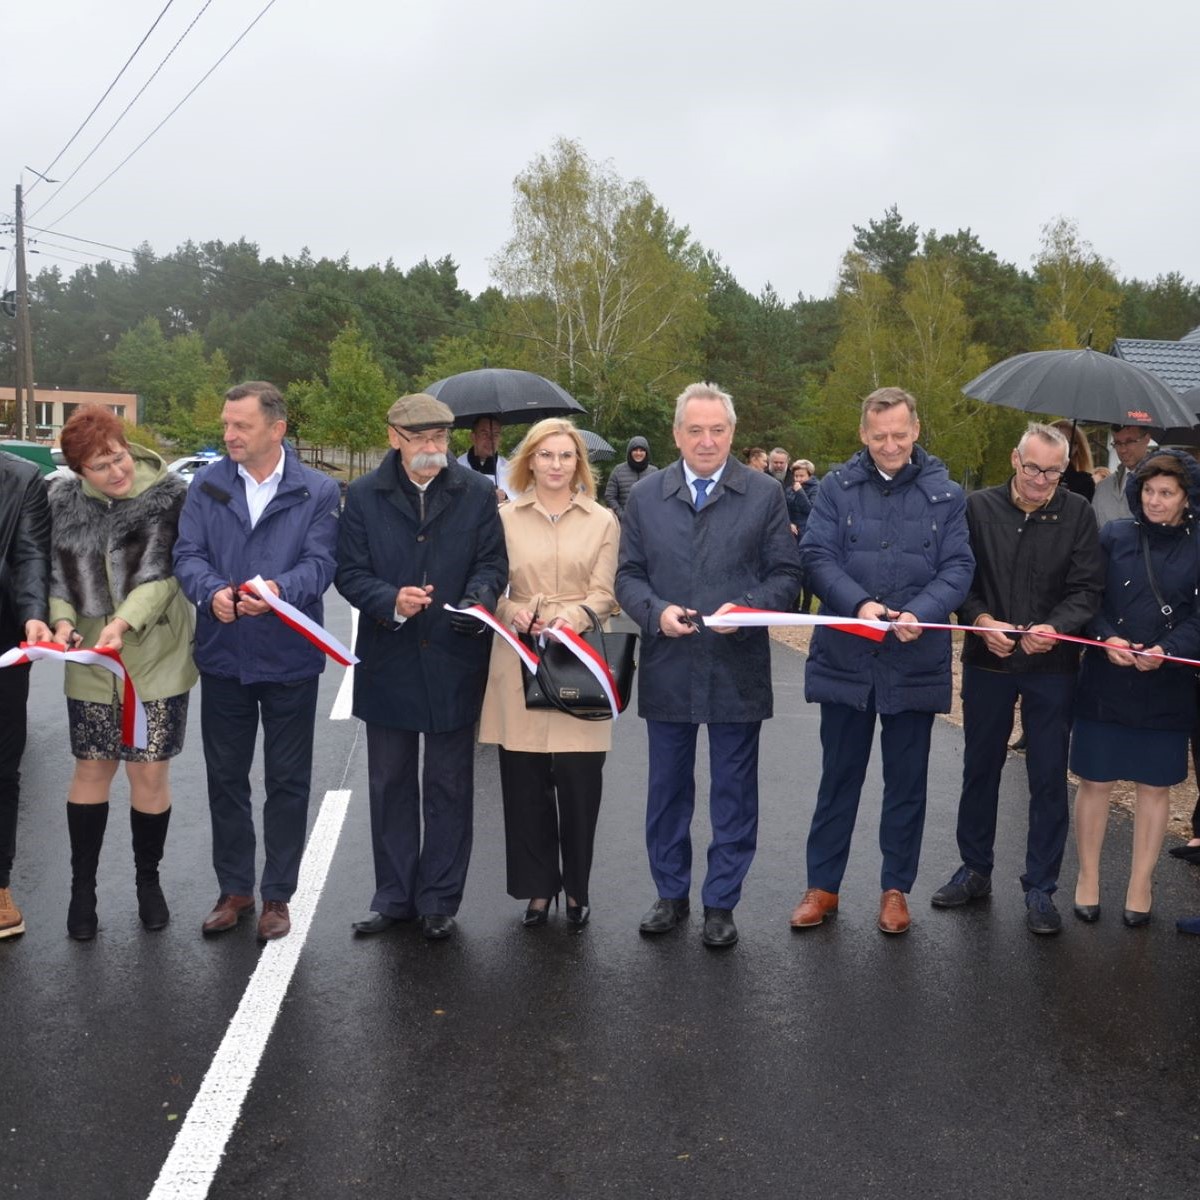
<point x="96" y="730"/>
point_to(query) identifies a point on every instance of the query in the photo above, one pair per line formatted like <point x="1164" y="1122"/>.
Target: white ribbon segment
<point x="305" y="626"/>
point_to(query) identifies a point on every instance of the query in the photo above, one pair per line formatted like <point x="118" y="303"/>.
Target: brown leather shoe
<point x="274" y="921"/>
<point x="815" y="905"/>
<point x="227" y="912"/>
<point x="893" y="912"/>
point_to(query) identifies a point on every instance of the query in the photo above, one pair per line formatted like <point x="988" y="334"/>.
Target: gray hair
<point x="781" y="450"/>
<point x="1036" y="429"/>
<point x="703" y="391"/>
<point x="269" y="399"/>
<point x="881" y="399"/>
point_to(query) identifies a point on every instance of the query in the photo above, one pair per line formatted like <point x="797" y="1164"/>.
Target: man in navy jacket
<point x="701" y="536"/>
<point x="420" y="532"/>
<point x="258" y="511"/>
<point x="886" y="540"/>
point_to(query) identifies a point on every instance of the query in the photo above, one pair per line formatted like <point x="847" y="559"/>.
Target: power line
<point x="105" y="96"/>
<point x="269" y="5"/>
<point x="154" y="74"/>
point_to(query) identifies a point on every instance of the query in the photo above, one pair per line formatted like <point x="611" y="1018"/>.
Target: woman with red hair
<point x="112" y="585"/>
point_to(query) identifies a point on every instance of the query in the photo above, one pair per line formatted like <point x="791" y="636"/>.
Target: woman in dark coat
<point x="799" y="505"/>
<point x="1133" y="714"/>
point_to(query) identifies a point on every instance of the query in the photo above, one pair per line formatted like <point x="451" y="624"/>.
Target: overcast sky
<point x="383" y="129"/>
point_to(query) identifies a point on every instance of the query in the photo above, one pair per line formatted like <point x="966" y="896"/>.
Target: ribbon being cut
<point x="592" y="661"/>
<point x="133" y="714"/>
<point x="295" y="619"/>
<point x="740" y="618"/>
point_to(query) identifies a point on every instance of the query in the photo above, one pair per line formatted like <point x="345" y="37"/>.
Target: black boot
<point x="149" y="834"/>
<point x="86" y="824"/>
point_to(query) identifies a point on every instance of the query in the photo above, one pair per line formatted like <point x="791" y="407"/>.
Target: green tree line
<point x="601" y="289"/>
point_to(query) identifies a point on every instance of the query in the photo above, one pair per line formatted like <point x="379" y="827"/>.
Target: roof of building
<point x="1177" y="364"/>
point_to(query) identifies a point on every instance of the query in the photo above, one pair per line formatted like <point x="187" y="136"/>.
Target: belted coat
<point x="420" y="675"/>
<point x="737" y="549"/>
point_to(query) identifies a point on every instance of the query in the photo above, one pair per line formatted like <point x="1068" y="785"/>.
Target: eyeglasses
<point x="439" y="437"/>
<point x="116" y="463"/>
<point x="1133" y="441"/>
<point x="1049" y="474"/>
<point x="548" y="456"/>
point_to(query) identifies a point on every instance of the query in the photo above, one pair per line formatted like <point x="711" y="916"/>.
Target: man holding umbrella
<point x="484" y="455"/>
<point x="1131" y="442"/>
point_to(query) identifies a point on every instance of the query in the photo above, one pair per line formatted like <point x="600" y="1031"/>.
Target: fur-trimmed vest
<point x="122" y="542"/>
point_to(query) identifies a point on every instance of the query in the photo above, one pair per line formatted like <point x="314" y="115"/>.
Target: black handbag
<point x="564" y="683"/>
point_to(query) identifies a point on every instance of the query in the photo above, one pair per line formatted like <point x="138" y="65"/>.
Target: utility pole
<point x="26" y="413"/>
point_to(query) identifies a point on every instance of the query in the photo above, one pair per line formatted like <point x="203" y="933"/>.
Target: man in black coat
<point x="701" y="536"/>
<point x="1037" y="568"/>
<point x="417" y="533"/>
<point x="24" y="579"/>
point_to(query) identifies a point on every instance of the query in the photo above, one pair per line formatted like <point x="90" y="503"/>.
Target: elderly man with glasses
<point x="1132" y="443"/>
<point x="417" y="533"/>
<point x="1037" y="568"/>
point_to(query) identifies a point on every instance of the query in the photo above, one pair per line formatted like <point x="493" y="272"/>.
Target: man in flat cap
<point x="420" y="532"/>
<point x="258" y="511"/>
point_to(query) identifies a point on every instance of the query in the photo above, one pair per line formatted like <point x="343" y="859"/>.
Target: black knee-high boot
<point x="149" y="835"/>
<point x="86" y="824"/>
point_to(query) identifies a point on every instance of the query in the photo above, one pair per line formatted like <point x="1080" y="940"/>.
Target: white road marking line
<point x="345" y="695"/>
<point x="200" y="1143"/>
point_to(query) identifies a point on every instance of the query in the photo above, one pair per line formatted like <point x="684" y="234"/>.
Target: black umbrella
<point x="1184" y="435"/>
<point x="1083" y="385"/>
<point x="598" y="449"/>
<point x="512" y="397"/>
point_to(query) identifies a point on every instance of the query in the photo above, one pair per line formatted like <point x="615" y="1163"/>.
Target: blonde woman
<point x="562" y="555"/>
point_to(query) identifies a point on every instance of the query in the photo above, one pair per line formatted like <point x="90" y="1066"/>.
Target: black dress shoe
<point x="437" y="926"/>
<point x="578" y="916"/>
<point x="719" y="929"/>
<point x="664" y="915"/>
<point x="533" y="917"/>
<point x="1088" y="912"/>
<point x="1189" y="854"/>
<point x="1135" y="919"/>
<point x="374" y="922"/>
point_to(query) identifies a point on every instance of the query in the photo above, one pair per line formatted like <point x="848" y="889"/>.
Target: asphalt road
<point x="966" y="1058"/>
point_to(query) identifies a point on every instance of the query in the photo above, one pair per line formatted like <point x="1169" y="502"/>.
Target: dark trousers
<point x="989" y="698"/>
<point x="14" y="692"/>
<point x="415" y="877"/>
<point x="551" y="804"/>
<point x="732" y="807"/>
<point x="229" y="717"/>
<point x="846" y="737"/>
<point x="1196" y="768"/>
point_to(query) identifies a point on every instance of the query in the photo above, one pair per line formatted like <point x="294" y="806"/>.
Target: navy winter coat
<point x="293" y="544"/>
<point x="799" y="506"/>
<point x="1165" y="698"/>
<point x="902" y="542"/>
<point x="737" y="549"/>
<point x="420" y="675"/>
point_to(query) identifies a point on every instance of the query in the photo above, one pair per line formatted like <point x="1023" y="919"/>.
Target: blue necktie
<point x="701" y="486"/>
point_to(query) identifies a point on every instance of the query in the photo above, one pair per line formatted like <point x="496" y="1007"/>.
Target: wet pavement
<point x="968" y="1057"/>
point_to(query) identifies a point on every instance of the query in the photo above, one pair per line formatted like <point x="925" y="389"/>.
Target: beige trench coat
<point x="553" y="568"/>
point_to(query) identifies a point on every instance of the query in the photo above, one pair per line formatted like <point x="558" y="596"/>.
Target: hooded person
<point x="1133" y="714"/>
<point x="637" y="465"/>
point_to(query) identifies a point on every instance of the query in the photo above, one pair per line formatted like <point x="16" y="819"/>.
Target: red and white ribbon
<point x="748" y="618"/>
<point x="527" y="656"/>
<point x="593" y="661"/>
<point x="291" y="616"/>
<point x="739" y="618"/>
<point x="133" y="712"/>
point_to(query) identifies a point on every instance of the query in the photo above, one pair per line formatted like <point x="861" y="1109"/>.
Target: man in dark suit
<point x="417" y="533"/>
<point x="24" y="578"/>
<point x="703" y="535"/>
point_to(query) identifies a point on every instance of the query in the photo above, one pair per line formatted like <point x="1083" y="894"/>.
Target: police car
<point x="191" y="463"/>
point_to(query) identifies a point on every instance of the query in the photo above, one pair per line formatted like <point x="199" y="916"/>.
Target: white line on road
<point x="345" y="694"/>
<point x="196" y="1153"/>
